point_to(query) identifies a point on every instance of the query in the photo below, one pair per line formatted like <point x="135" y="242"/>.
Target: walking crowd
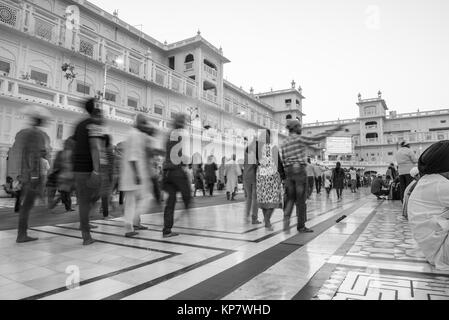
<point x="274" y="176"/>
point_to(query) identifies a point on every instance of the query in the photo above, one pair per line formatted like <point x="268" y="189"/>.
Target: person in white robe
<point x="232" y="173"/>
<point x="428" y="206"/>
<point x="135" y="178"/>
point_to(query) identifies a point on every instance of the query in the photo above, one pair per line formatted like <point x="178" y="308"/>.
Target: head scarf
<point x="435" y="159"/>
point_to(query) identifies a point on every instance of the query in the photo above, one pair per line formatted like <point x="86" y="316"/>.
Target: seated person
<point x="17" y="192"/>
<point x="8" y="187"/>
<point x="378" y="188"/>
<point x="428" y="205"/>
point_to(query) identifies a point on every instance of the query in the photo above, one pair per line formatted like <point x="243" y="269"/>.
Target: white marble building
<point x="378" y="132"/>
<point x="136" y="72"/>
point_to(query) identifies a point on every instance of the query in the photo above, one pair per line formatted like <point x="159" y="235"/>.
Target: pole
<point x="103" y="98"/>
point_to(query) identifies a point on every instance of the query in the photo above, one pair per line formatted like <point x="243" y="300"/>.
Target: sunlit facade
<point x="106" y="57"/>
<point x="377" y="133"/>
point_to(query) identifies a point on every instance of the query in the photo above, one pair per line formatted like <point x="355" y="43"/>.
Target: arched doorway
<point x="14" y="160"/>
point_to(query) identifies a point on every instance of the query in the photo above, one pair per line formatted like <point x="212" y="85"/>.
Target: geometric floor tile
<point x="370" y="284"/>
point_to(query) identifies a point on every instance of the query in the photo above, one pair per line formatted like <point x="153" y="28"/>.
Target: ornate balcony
<point x="30" y="92"/>
<point x="210" y="71"/>
<point x="52" y="28"/>
<point x="209" y="96"/>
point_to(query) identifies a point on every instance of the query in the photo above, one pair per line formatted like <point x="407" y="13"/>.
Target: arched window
<point x="189" y="58"/>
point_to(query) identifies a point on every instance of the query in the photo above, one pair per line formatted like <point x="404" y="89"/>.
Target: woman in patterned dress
<point x="268" y="185"/>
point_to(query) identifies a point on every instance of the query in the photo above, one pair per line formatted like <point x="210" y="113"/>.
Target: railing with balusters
<point x="51" y="27"/>
<point x="210" y="96"/>
<point x="210" y="71"/>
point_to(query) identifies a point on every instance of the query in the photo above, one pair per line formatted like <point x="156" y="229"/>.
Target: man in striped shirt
<point x="294" y="158"/>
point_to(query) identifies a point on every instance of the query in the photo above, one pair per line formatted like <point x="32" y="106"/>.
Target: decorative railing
<point x="93" y="45"/>
<point x="210" y="71"/>
<point x="86" y="47"/>
<point x="52" y="28"/>
<point x="44" y="29"/>
<point x="415" y="137"/>
<point x="9" y="15"/>
<point x="372" y="140"/>
<point x="209" y="96"/>
<point x="330" y="123"/>
<point x="419" y="114"/>
<point x="55" y="99"/>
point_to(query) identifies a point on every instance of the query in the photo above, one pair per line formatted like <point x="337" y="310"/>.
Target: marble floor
<point x="219" y="255"/>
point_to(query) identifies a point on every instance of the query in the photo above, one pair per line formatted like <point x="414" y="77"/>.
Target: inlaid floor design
<point x="385" y="263"/>
<point x="373" y="284"/>
<point x="220" y="255"/>
<point x="212" y="240"/>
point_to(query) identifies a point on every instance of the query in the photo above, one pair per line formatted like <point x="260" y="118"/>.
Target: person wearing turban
<point x="406" y="160"/>
<point x="428" y="205"/>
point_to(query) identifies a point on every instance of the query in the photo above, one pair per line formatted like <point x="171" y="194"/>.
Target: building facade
<point x="57" y="53"/>
<point x="377" y="133"/>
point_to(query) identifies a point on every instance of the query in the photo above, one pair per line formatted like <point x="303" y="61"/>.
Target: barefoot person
<point x="34" y="147"/>
<point x="135" y="181"/>
<point x="293" y="153"/>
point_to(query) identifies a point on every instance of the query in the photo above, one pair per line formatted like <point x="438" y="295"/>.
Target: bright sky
<point x="333" y="49"/>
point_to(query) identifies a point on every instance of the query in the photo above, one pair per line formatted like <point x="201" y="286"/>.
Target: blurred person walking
<point x="310" y="178"/>
<point x="318" y="172"/>
<point x="107" y="174"/>
<point x="135" y="180"/>
<point x="327" y="178"/>
<point x="175" y="177"/>
<point x="118" y="154"/>
<point x="88" y="139"/>
<point x="270" y="174"/>
<point x="232" y="173"/>
<point x="152" y="154"/>
<point x="406" y="160"/>
<point x="221" y="175"/>
<point x="33" y="149"/>
<point x="353" y="176"/>
<point x="45" y="168"/>
<point x="293" y="153"/>
<point x="250" y="165"/>
<point x="338" y="180"/>
<point x="63" y="171"/>
<point x="210" y="170"/>
<point x="198" y="176"/>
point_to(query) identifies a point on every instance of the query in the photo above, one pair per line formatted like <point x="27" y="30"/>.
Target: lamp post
<point x="117" y="62"/>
